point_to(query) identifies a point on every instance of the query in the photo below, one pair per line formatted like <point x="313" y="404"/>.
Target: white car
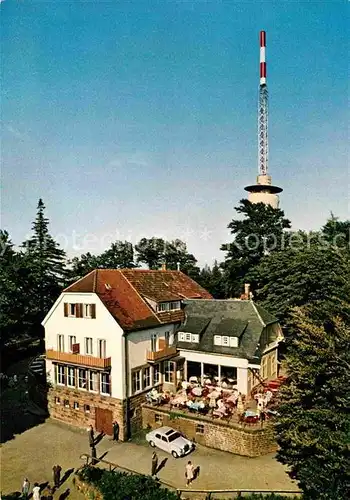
<point x="171" y="441"/>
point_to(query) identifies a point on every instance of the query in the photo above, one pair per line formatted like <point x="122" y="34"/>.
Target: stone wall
<point x="82" y="416"/>
<point x="135" y="411"/>
<point x="246" y="441"/>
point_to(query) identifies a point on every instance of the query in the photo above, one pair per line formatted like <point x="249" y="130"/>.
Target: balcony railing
<point x="166" y="352"/>
<point x="78" y="359"/>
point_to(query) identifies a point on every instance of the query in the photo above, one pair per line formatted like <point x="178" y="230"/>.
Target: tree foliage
<point x="311" y="275"/>
<point x="212" y="280"/>
<point x="154" y="252"/>
<point x="45" y="261"/>
<point x="313" y="428"/>
<point x="259" y="233"/>
<point x="120" y="255"/>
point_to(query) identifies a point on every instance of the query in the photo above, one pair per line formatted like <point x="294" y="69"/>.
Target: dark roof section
<point x="195" y="324"/>
<point x="122" y="290"/>
<point x="265" y="315"/>
<point x="235" y="318"/>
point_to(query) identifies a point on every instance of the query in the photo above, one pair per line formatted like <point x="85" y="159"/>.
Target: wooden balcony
<point x="78" y="359"/>
<point x="165" y="353"/>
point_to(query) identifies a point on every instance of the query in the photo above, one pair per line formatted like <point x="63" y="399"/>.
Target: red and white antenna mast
<point x="263" y="143"/>
<point x="263" y="191"/>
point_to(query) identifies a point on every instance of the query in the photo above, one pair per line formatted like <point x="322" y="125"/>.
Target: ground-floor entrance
<point x="104" y="421"/>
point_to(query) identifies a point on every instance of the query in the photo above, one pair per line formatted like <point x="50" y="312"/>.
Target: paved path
<point x="33" y="453"/>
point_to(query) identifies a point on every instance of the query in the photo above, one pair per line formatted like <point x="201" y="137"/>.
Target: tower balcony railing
<point x="78" y="359"/>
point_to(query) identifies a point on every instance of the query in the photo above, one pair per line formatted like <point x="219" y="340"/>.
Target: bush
<point x="115" y="485"/>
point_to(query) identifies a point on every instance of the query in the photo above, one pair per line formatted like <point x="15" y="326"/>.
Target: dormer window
<point x="188" y="337"/>
<point x="226" y="341"/>
<point x="169" y="306"/>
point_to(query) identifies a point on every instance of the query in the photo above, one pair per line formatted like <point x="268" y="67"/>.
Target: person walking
<point x="36" y="492"/>
<point x="115" y="431"/>
<point x="91" y="436"/>
<point x="189" y="473"/>
<point x="25" y="488"/>
<point x="154" y="463"/>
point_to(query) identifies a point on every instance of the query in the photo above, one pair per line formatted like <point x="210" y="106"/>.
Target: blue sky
<point x="139" y="118"/>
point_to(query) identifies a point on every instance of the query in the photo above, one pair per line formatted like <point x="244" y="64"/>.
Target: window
<point x="136" y="381"/>
<point x="87" y="408"/>
<point x="158" y="418"/>
<point x="93" y="381"/>
<point x="169" y="375"/>
<point x="82" y="378"/>
<point x="60" y="343"/>
<point x="87" y="310"/>
<point x="71" y="377"/>
<point x="156" y="374"/>
<point x="72" y="310"/>
<point x="105" y="383"/>
<point x="233" y="341"/>
<point x="189" y="337"/>
<point x="175" y="305"/>
<point x="88" y="345"/>
<point x="163" y="306"/>
<point x="71" y="340"/>
<point x="217" y="339"/>
<point x="76" y="405"/>
<point x="153" y="342"/>
<point x="101" y="348"/>
<point x="167" y="338"/>
<point x="61" y="375"/>
<point x="200" y="429"/>
<point x="57" y="401"/>
<point x="146" y="377"/>
<point x="225" y="341"/>
<point x="66" y="403"/>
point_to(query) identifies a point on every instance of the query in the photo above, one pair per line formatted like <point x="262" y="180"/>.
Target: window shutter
<point x="65" y="309"/>
<point x="76" y="348"/>
<point x="77" y="310"/>
<point x="93" y="310"/>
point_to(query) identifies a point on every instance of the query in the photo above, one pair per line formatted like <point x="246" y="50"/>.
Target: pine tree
<point x="47" y="264"/>
<point x="313" y="427"/>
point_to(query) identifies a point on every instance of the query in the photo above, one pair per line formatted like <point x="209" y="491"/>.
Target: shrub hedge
<point x="115" y="485"/>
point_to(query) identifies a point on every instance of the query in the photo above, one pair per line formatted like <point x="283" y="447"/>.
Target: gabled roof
<point x="122" y="292"/>
<point x="233" y="318"/>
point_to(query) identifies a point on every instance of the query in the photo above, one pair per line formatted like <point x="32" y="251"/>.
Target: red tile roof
<point x="122" y="292"/>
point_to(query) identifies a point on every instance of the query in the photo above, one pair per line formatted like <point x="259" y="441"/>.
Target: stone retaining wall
<point x="250" y="442"/>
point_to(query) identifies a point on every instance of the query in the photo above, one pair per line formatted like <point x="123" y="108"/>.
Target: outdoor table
<point x="197" y="391"/>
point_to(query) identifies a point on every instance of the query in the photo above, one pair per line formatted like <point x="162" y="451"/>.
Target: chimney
<point x="178" y="266"/>
<point x="164" y="266"/>
<point x="247" y="291"/>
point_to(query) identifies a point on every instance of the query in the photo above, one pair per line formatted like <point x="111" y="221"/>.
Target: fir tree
<point x="47" y="265"/>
